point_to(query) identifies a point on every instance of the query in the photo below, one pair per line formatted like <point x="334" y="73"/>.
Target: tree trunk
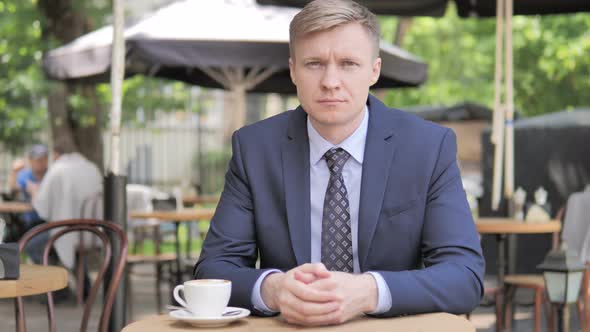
<point x="61" y="129"/>
<point x="64" y="22"/>
<point x="88" y="137"/>
<point x="403" y="25"/>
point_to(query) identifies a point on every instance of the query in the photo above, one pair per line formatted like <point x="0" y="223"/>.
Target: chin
<point x="329" y="121"/>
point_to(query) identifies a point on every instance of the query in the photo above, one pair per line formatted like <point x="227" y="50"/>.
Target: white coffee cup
<point x="204" y="297"/>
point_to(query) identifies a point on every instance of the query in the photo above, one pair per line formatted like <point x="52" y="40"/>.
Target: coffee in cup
<point x="204" y="297"/>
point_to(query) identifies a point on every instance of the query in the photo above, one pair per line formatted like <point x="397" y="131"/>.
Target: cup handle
<point x="177" y="296"/>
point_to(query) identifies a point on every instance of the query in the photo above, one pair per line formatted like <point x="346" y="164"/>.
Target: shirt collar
<point x="353" y="144"/>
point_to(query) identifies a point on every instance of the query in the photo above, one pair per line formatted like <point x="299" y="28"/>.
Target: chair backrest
<point x="106" y="231"/>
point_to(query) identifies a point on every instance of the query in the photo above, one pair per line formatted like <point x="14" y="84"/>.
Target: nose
<point x="330" y="78"/>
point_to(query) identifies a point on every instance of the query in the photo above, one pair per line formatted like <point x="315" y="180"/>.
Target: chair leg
<point x="538" y="304"/>
<point x="498" y="304"/>
<point x="157" y="290"/>
<point x="19" y="315"/>
<point x="550" y="312"/>
<point x="508" y="314"/>
<point x="580" y="312"/>
<point x="584" y="306"/>
<point x="80" y="276"/>
<point x="129" y="293"/>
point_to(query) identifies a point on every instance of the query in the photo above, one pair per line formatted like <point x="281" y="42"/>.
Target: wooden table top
<point x="15" y="207"/>
<point x="34" y="279"/>
<point x="203" y="199"/>
<point x="440" y="322"/>
<point x="514" y="226"/>
<point x="175" y="215"/>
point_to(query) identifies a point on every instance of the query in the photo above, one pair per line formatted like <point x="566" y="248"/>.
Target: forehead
<point x="348" y="40"/>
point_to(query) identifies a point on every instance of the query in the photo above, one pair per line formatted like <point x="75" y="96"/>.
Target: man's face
<point x="333" y="71"/>
<point x="39" y="166"/>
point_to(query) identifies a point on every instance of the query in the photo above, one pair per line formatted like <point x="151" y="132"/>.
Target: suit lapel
<point x="379" y="151"/>
<point x="295" y="156"/>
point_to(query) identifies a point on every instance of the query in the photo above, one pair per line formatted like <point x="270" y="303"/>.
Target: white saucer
<point x="185" y="316"/>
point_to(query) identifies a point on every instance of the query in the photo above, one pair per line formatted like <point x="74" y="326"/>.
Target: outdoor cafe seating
<point x="106" y="232"/>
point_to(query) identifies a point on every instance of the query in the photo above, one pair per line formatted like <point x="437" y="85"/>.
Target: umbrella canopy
<point x="383" y="7"/>
<point x="465" y="8"/>
<point x="219" y="44"/>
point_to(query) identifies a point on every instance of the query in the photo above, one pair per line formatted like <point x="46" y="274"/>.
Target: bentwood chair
<point x="114" y="246"/>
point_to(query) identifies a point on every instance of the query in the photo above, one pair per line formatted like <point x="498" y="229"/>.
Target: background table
<point x="502" y="227"/>
<point x="440" y="322"/>
<point x="176" y="217"/>
<point x="34" y="279"/>
<point x="203" y="199"/>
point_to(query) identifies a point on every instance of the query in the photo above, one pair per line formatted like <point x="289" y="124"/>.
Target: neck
<point x="335" y="134"/>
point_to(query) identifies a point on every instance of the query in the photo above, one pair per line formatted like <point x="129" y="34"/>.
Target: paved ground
<point x="144" y="305"/>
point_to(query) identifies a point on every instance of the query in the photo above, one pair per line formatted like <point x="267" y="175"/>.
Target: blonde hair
<point x="322" y="15"/>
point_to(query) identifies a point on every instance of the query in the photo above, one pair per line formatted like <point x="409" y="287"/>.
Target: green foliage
<point x="551" y="63"/>
<point x="144" y="96"/>
<point x="212" y="166"/>
<point x="22" y="87"/>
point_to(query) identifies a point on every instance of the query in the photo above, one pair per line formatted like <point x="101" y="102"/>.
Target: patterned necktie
<point x="336" y="234"/>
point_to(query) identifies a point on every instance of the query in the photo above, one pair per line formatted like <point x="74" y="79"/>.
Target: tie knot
<point x="336" y="158"/>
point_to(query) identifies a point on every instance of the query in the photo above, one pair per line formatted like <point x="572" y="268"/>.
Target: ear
<point x="292" y="71"/>
<point x="376" y="70"/>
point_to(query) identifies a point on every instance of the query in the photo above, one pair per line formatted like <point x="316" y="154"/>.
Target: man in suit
<point x="350" y="206"/>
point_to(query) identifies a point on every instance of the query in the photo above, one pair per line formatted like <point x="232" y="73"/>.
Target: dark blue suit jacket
<point x="415" y="226"/>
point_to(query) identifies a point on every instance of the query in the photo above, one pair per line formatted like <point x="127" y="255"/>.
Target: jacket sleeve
<point x="229" y="250"/>
<point x="452" y="277"/>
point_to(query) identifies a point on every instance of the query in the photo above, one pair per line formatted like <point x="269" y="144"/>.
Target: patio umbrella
<point x="502" y="130"/>
<point x="235" y="45"/>
<point x="465" y="8"/>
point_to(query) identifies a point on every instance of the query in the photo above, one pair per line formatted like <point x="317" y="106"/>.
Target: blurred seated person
<point x="69" y="183"/>
<point x="20" y="178"/>
<point x="21" y="173"/>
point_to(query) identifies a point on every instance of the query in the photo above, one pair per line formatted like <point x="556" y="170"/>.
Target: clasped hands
<point x="311" y="295"/>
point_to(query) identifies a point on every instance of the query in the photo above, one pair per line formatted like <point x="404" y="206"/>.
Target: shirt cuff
<point x="257" y="301"/>
<point x="383" y="295"/>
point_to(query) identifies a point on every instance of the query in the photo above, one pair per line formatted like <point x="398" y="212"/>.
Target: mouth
<point x="330" y="101"/>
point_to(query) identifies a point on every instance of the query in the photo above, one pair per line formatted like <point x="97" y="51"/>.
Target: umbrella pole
<point x="239" y="97"/>
<point x="508" y="62"/>
<point x="114" y="184"/>
<point x="497" y="136"/>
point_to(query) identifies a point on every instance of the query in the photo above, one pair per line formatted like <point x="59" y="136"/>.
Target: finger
<point x="318" y="269"/>
<point x="309" y="294"/>
<point x="331" y="318"/>
<point x="291" y="305"/>
<point x="327" y="284"/>
<point x="304" y="277"/>
<point x="311" y="313"/>
<point x="310" y="309"/>
<point x="334" y="317"/>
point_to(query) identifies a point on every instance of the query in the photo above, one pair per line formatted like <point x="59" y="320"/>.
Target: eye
<point x="313" y="64"/>
<point x="349" y="64"/>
